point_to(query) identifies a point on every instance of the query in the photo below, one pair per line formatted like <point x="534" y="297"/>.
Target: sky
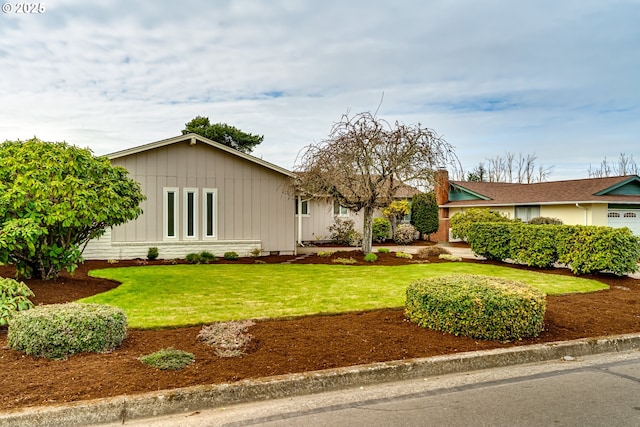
<point x="556" y="79"/>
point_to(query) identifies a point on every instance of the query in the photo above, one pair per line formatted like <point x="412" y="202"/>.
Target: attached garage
<point x="625" y="217"/>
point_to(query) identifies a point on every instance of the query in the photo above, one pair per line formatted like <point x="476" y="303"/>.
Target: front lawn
<point x="181" y="295"/>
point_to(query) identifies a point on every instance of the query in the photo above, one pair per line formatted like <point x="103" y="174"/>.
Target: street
<point x="601" y="390"/>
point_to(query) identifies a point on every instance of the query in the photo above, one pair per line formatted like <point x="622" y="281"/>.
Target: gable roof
<point x="194" y="139"/>
<point x="620" y="189"/>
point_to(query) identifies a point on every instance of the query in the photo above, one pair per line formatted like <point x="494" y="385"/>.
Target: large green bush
<point x="14" y="297"/>
<point x="424" y="213"/>
<point x="490" y="239"/>
<point x="59" y="330"/>
<point x="534" y="245"/>
<point x="480" y="307"/>
<point x="461" y="221"/>
<point x="381" y="229"/>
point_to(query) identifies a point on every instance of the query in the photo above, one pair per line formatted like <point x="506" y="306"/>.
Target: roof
<point x="618" y="189"/>
<point x="195" y="138"/>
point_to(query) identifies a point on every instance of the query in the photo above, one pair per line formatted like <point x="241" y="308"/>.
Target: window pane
<point x="209" y="214"/>
<point x="171" y="214"/>
<point x="190" y="214"/>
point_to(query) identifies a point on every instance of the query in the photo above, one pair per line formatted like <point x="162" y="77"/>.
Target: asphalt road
<point x="601" y="390"/>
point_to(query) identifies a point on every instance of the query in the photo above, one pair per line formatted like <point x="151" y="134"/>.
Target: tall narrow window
<point x="339" y="210"/>
<point x="170" y="212"/>
<point x="209" y="214"/>
<point x="190" y="212"/>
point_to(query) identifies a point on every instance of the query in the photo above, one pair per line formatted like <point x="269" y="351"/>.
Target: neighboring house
<point x="611" y="201"/>
<point x="201" y="195"/>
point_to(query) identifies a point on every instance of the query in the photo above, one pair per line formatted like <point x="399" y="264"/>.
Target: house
<point x="201" y="195"/>
<point x="610" y="201"/>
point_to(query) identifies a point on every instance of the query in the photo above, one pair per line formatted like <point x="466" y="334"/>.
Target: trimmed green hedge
<point x="480" y="307"/>
<point x="584" y="249"/>
<point x="59" y="330"/>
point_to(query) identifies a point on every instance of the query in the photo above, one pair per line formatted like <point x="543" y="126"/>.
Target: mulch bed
<point x="279" y="346"/>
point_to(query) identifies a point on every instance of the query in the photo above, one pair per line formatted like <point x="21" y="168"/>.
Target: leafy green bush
<point x="461" y="221"/>
<point x="431" y="251"/>
<point x="230" y="256"/>
<point x="14" y="297"/>
<point x="405" y="234"/>
<point x="424" y="213"/>
<point x="152" y="253"/>
<point x="193" y="258"/>
<point x="343" y="232"/>
<point x="590" y="249"/>
<point x="381" y="229"/>
<point x="539" y="220"/>
<point x="345" y="261"/>
<point x="168" y="359"/>
<point x="490" y="239"/>
<point x="228" y="338"/>
<point x="371" y="257"/>
<point x="206" y="257"/>
<point x="325" y="254"/>
<point x="58" y="330"/>
<point x="403" y="255"/>
<point x="383" y="250"/>
<point x="534" y="245"/>
<point x="480" y="307"/>
<point x="449" y="257"/>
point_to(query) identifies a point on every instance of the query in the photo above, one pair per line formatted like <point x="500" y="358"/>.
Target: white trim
<point x="185" y="195"/>
<point x="165" y="213"/>
<point x="205" y="192"/>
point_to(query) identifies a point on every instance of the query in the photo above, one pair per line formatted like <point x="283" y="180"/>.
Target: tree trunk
<point x="367" y="230"/>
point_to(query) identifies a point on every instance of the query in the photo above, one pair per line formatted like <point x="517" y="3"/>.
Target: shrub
<point x="405" y="234"/>
<point x="206" y="257"/>
<point x="325" y="254"/>
<point x="256" y="252"/>
<point x="345" y="261"/>
<point x="230" y="256"/>
<point x="539" y="220"/>
<point x="534" y="245"/>
<point x="404" y="255"/>
<point x="14" y="297"/>
<point x="343" y="232"/>
<point x="152" y="253"/>
<point x="371" y="257"/>
<point x="228" y="338"/>
<point x="450" y="257"/>
<point x="479" y="307"/>
<point x="461" y="221"/>
<point x="424" y="213"/>
<point x="380" y="230"/>
<point x="58" y="330"/>
<point x="168" y="359"/>
<point x="431" y="251"/>
<point x="193" y="258"/>
<point x="491" y="240"/>
<point x="383" y="250"/>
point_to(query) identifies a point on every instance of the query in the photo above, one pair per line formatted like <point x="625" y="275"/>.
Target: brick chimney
<point x="441" y="189"/>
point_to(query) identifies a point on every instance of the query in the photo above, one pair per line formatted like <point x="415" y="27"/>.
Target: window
<point x="339" y="210"/>
<point x="629" y="215"/>
<point x="613" y="215"/>
<point x="170" y="213"/>
<point x="209" y="210"/>
<point x="305" y="207"/>
<point x="526" y="213"/>
<point x="190" y="213"/>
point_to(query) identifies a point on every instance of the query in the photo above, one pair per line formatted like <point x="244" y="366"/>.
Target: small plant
<point x="172" y="261"/>
<point x="404" y="255"/>
<point x="431" y="251"/>
<point x="112" y="261"/>
<point x="168" y="359"/>
<point x="58" y="330"/>
<point x="449" y="257"/>
<point x="228" y="338"/>
<point x="206" y="257"/>
<point x="405" y="234"/>
<point x="256" y="252"/>
<point x="13" y="298"/>
<point x="344" y="261"/>
<point x="231" y="256"/>
<point x="141" y="261"/>
<point x="326" y="254"/>
<point x="383" y="250"/>
<point x="152" y="253"/>
<point x="193" y="258"/>
<point x="371" y="257"/>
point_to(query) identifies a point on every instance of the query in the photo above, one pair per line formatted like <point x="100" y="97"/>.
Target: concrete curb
<point x="122" y="408"/>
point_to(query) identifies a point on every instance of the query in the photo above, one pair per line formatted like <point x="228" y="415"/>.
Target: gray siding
<point x="252" y="203"/>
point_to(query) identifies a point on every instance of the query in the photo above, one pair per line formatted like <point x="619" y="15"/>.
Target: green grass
<point x="181" y="295"/>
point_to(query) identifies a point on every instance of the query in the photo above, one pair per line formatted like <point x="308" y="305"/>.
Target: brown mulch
<point x="278" y="346"/>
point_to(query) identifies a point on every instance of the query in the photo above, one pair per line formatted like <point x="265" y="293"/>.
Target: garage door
<point x="625" y="218"/>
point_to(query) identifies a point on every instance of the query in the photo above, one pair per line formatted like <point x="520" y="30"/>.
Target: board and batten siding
<point x="253" y="208"/>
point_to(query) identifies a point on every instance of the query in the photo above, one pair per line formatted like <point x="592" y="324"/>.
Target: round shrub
<point x="14" y="297"/>
<point x="380" y="229"/>
<point x="168" y="359"/>
<point x="405" y="234"/>
<point x="461" y="221"/>
<point x="230" y="256"/>
<point x="481" y="307"/>
<point x="371" y="257"/>
<point x="59" y="330"/>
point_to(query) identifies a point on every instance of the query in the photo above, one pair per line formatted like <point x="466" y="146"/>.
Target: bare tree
<point x="626" y="166"/>
<point x="510" y="168"/>
<point x="365" y="160"/>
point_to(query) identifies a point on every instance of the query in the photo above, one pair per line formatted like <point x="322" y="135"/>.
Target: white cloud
<point x="555" y="78"/>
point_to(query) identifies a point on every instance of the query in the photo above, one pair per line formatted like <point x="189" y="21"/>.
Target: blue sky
<point x="559" y="79"/>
